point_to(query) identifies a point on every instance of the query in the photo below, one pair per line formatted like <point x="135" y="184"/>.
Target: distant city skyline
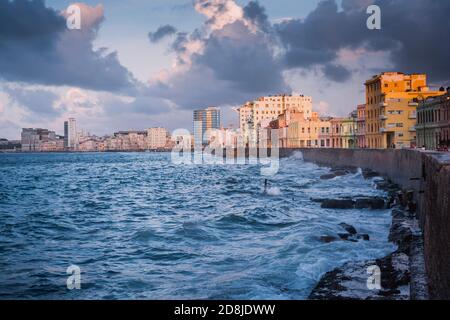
<point x="153" y="63"/>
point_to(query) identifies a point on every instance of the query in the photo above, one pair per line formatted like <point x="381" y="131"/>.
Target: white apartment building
<point x="156" y="138"/>
<point x="257" y="114"/>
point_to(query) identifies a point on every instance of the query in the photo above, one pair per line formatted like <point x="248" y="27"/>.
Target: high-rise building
<point x="157" y="138"/>
<point x="204" y="121"/>
<point x="391" y="109"/>
<point x="70" y="134"/>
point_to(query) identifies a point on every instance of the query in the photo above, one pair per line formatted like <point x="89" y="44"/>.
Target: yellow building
<point x="308" y="133"/>
<point x="390" y="109"/>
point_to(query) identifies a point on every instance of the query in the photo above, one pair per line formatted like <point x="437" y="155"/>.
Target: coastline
<point x="402" y="271"/>
<point x="425" y="177"/>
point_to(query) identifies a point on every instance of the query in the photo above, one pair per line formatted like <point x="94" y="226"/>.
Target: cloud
<point x="143" y="104"/>
<point x="410" y="34"/>
<point x="40" y="103"/>
<point x="228" y="60"/>
<point x="219" y="13"/>
<point x="39" y="49"/>
<point x="161" y="33"/>
<point x="9" y="130"/>
<point x="254" y="12"/>
<point x="336" y="72"/>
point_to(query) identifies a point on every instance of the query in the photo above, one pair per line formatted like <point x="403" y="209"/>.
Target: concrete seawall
<point x="427" y="175"/>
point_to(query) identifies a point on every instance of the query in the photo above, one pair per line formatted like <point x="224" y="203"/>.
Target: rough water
<point x="140" y="227"/>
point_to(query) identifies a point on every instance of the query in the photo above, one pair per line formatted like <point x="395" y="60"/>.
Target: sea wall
<point x="427" y="176"/>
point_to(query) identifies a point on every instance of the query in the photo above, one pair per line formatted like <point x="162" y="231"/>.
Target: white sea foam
<point x="297" y="155"/>
<point x="273" y="191"/>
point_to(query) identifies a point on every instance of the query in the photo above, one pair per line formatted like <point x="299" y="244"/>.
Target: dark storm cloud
<point x="235" y="65"/>
<point x="414" y="33"/>
<point x="336" y="72"/>
<point x="419" y="34"/>
<point x="317" y="38"/>
<point x="161" y="33"/>
<point x="348" y="5"/>
<point x="36" y="47"/>
<point x="254" y="12"/>
<point x="29" y="20"/>
<point x="36" y="101"/>
<point x="243" y="58"/>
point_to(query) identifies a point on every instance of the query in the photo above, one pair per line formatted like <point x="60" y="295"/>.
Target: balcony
<point x="383" y="117"/>
<point x="412" y="129"/>
<point x="413" y="104"/>
<point x="382" y="104"/>
<point x="412" y="115"/>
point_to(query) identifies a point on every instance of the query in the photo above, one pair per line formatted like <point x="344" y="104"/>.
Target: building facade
<point x="312" y="132"/>
<point x="336" y="129"/>
<point x="258" y="114"/>
<point x="433" y="122"/>
<point x="390" y="111"/>
<point x="40" y="140"/>
<point x="7" y="145"/>
<point x="70" y="134"/>
<point x="205" y="120"/>
<point x="361" y="126"/>
<point x="349" y="132"/>
<point x="132" y="140"/>
<point x="157" y="138"/>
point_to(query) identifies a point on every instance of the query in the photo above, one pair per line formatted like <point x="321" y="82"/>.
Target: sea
<point x="139" y="226"/>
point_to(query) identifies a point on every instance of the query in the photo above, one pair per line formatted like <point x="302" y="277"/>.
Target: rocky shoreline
<point x="402" y="272"/>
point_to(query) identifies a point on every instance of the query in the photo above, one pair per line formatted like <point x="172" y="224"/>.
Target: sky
<point x="141" y="63"/>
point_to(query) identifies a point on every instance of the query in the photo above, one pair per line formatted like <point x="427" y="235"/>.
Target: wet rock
<point x="363" y="236"/>
<point x="344" y="236"/>
<point x="349" y="282"/>
<point x="401" y="232"/>
<point x="412" y="206"/>
<point x="328" y="176"/>
<point x="368" y="173"/>
<point x="349" y="228"/>
<point x="372" y="203"/>
<point x="338" y="204"/>
<point x="345" y="169"/>
<point x="328" y="239"/>
<point x="395" y="268"/>
<point x="387" y="185"/>
<point x="317" y="200"/>
<point x="339" y="173"/>
<point x="347" y="237"/>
